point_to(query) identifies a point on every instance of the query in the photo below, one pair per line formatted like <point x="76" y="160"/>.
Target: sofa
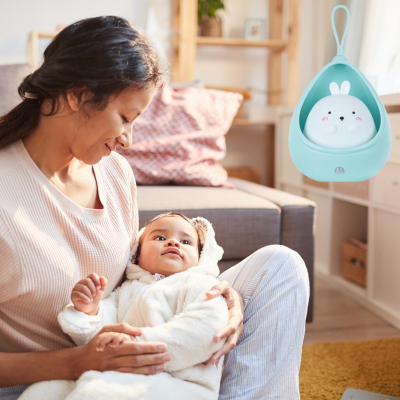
<point x="245" y="218"/>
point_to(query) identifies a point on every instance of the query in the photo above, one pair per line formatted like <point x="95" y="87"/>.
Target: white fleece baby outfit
<point x="173" y="310"/>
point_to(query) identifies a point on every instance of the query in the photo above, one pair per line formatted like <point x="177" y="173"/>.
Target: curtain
<point x="380" y="52"/>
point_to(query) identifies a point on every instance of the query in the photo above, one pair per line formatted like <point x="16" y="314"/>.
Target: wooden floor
<point x="339" y="319"/>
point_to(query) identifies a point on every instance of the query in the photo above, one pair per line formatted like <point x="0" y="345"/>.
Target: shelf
<point x="248" y="122"/>
<point x="278" y="45"/>
<point x="350" y="199"/>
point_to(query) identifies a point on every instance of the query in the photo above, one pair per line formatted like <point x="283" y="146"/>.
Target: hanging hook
<point x="340" y="45"/>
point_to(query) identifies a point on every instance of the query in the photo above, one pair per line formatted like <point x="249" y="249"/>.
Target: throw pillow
<point x="181" y="137"/>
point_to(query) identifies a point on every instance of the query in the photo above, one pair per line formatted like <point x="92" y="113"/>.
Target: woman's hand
<point x="130" y="356"/>
<point x="235" y="324"/>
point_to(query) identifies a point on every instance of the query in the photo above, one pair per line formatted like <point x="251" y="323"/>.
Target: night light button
<point x="339" y="170"/>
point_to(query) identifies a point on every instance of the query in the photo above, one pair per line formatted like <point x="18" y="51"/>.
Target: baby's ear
<point x="334" y="87"/>
<point x="345" y="88"/>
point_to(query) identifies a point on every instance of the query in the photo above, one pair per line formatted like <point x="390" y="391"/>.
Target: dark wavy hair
<point x="103" y="55"/>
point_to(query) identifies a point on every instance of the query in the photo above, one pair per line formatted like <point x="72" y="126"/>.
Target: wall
<point x="19" y="17"/>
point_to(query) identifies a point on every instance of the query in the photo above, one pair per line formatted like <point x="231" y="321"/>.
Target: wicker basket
<point x="211" y="27"/>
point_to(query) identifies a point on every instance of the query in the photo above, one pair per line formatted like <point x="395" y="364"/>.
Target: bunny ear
<point x="345" y="88"/>
<point x="334" y="87"/>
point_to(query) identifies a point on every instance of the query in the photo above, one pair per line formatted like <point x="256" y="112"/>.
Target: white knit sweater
<point x="173" y="310"/>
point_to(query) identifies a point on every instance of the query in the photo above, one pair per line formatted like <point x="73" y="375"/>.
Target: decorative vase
<point x="211" y="27"/>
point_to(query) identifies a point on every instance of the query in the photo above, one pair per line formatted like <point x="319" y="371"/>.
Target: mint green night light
<point x="340" y="135"/>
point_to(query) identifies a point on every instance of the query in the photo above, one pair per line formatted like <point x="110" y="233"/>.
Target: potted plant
<point x="210" y="23"/>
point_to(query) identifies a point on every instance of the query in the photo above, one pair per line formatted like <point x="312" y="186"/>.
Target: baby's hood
<point x="208" y="262"/>
<point x="212" y="252"/>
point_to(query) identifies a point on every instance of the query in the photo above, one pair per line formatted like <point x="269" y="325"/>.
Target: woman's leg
<point x="274" y="286"/>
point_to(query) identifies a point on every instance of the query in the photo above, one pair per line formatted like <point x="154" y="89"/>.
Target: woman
<point x="68" y="208"/>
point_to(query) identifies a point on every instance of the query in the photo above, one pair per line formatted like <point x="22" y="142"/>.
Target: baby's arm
<point x="189" y="335"/>
<point x="83" y="319"/>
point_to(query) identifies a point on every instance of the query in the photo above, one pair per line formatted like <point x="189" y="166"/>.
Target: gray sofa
<point x="245" y="218"/>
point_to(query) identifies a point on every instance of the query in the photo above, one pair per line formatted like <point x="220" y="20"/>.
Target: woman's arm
<point x="133" y="357"/>
<point x="235" y="327"/>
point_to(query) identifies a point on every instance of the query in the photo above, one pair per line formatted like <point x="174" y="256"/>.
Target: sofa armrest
<point x="297" y="224"/>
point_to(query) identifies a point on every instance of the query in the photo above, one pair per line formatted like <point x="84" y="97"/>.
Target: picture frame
<point x="255" y="29"/>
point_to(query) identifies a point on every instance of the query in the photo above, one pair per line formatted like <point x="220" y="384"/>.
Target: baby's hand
<point x="114" y="339"/>
<point x="87" y="293"/>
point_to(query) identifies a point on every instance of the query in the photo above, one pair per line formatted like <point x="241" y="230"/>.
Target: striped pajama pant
<point x="274" y="286"/>
<point x="273" y="283"/>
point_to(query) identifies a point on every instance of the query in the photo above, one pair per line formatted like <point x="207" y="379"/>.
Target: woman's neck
<point x="48" y="147"/>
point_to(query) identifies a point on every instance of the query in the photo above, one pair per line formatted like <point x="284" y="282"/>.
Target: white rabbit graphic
<point x="340" y="121"/>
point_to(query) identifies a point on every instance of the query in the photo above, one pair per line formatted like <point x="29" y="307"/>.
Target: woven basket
<point x="211" y="27"/>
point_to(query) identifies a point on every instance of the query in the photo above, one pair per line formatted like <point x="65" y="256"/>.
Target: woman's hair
<point x="199" y="226"/>
<point x="103" y="55"/>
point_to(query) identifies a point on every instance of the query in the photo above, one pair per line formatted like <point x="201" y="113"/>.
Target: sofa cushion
<point x="243" y="222"/>
<point x="11" y="77"/>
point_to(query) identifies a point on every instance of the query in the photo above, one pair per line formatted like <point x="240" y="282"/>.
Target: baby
<point x="175" y="265"/>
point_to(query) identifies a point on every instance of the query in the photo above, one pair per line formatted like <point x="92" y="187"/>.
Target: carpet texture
<point x="327" y="369"/>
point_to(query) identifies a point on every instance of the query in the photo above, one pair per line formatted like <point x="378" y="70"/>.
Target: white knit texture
<point x="48" y="243"/>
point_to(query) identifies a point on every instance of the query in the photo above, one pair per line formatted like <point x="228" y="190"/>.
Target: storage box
<point x="354" y="263"/>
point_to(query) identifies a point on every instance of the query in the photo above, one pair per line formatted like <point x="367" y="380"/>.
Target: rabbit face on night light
<point x="340" y="121"/>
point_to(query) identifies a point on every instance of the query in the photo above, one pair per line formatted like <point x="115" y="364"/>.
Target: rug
<point x="327" y="369"/>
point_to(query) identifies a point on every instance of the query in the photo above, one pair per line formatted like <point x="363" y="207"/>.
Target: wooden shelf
<point x="246" y="122"/>
<point x="283" y="46"/>
<point x="278" y="45"/>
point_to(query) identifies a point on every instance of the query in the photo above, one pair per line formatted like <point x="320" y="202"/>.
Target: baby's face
<point x="169" y="245"/>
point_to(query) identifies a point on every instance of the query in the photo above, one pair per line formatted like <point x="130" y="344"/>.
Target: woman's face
<point x="98" y="133"/>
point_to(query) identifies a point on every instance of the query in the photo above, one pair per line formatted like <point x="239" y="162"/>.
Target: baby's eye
<point x="126" y="121"/>
<point x="159" y="238"/>
<point x="329" y="112"/>
<point x="185" y="241"/>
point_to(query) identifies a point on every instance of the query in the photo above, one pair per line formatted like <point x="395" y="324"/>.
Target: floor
<point x="339" y="319"/>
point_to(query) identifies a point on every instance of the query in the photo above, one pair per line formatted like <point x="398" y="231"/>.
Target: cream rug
<point x="327" y="369"/>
